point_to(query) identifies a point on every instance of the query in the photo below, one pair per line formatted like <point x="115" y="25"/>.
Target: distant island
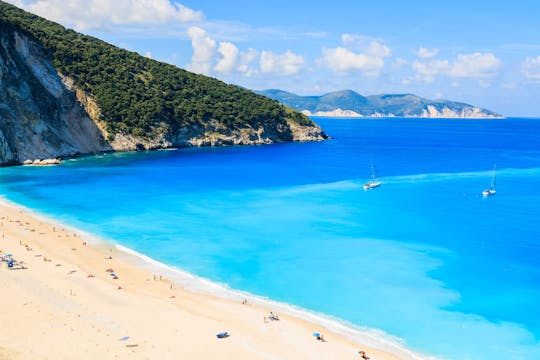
<point x="65" y="94"/>
<point x="348" y="103"/>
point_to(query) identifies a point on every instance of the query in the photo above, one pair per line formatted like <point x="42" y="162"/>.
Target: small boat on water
<point x="374" y="182"/>
<point x="491" y="189"/>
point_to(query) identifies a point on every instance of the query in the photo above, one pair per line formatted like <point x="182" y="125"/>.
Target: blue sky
<point x="482" y="52"/>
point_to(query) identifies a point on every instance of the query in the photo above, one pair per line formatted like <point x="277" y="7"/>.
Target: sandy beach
<point x="66" y="299"/>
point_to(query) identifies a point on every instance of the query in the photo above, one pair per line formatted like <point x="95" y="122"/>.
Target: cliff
<point x="65" y="94"/>
<point x="39" y="116"/>
<point x="348" y="103"/>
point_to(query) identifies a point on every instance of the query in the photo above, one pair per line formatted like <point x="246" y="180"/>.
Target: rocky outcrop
<point x="445" y="112"/>
<point x="333" y="113"/>
<point x="43" y="115"/>
<point x="303" y="133"/>
<point x="214" y="133"/>
<point x="43" y="162"/>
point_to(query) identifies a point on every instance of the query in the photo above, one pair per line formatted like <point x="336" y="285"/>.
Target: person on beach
<point x="273" y="316"/>
<point x="363" y="355"/>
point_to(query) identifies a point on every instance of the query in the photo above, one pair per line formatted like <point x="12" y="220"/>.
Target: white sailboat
<point x="491" y="190"/>
<point x="374" y="182"/>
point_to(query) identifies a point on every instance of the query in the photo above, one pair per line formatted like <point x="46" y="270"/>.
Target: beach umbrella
<point x="316" y="334"/>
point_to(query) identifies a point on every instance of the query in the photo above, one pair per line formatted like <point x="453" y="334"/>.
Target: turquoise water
<point x="424" y="257"/>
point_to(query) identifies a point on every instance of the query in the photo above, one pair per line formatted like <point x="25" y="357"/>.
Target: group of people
<point x="272" y="317"/>
<point x="363" y="355"/>
<point x="8" y="258"/>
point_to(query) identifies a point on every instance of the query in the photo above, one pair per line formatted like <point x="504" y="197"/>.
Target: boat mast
<point x="493" y="177"/>
<point x="372" y="172"/>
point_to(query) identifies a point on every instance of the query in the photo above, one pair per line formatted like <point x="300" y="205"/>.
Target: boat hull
<point x="372" y="185"/>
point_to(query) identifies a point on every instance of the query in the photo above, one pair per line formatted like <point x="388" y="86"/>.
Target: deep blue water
<point x="424" y="257"/>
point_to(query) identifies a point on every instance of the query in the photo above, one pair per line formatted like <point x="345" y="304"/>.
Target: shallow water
<point x="424" y="257"/>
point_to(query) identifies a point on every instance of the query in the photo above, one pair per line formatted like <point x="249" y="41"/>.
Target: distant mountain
<point x="348" y="103"/>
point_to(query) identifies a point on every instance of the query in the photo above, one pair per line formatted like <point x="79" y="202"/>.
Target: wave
<point x="370" y="337"/>
<point x="429" y="177"/>
<point x="412" y="178"/>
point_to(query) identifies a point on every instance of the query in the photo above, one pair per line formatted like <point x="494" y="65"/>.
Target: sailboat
<point x="491" y="190"/>
<point x="374" y="182"/>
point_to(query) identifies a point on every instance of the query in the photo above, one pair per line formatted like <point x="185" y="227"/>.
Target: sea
<point x="424" y="260"/>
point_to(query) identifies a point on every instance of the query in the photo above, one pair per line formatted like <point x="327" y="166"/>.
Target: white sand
<point x="54" y="310"/>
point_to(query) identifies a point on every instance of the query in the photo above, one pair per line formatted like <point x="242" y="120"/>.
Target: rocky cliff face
<point x="39" y="116"/>
<point x="468" y="112"/>
<point x="43" y="115"/>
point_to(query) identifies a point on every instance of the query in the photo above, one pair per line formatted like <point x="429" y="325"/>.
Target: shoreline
<point x="138" y="270"/>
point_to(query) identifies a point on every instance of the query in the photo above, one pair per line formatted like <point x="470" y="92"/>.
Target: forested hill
<point x="134" y="99"/>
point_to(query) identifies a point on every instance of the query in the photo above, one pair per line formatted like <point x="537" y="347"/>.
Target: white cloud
<point x="424" y="53"/>
<point x="204" y="51"/>
<point x="476" y="65"/>
<point x="247" y="58"/>
<point x="348" y="39"/>
<point x="531" y="68"/>
<point x="233" y="60"/>
<point x="377" y="49"/>
<point x="287" y="63"/>
<point x="18" y="3"/>
<point x="226" y="58"/>
<point x="358" y="53"/>
<point x="371" y="46"/>
<point x="229" y="57"/>
<point x="356" y="40"/>
<point x="399" y="63"/>
<point x="84" y="14"/>
<point x="428" y="71"/>
<point x="342" y="60"/>
<point x="148" y="54"/>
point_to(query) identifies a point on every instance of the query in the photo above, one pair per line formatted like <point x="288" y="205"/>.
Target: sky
<point x="486" y="53"/>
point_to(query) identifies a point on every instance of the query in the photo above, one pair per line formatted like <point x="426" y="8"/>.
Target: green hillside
<point x="135" y="94"/>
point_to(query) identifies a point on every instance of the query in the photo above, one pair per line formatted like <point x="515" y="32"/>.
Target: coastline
<point x="49" y="297"/>
<point x="391" y="116"/>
